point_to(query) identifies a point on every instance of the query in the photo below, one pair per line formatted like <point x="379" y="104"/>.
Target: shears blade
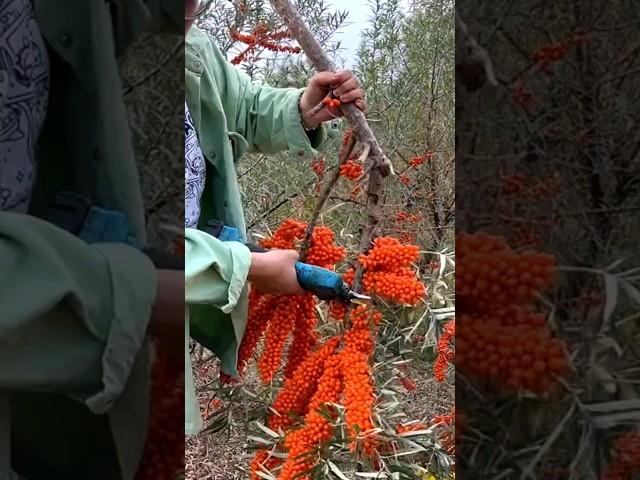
<point x="359" y="298"/>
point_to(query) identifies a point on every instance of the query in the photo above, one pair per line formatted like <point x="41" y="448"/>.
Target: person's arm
<point x="268" y="118"/>
<point x="73" y="316"/>
<point x="216" y="271"/>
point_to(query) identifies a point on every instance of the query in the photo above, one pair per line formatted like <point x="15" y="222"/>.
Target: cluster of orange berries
<point x="406" y="217"/>
<point x="164" y="448"/>
<point x="388" y="272"/>
<point x="331" y="102"/>
<point x="276" y="318"/>
<point x="317" y="428"/>
<point x="351" y="170"/>
<point x="405" y="179"/>
<point x="445" y="351"/>
<point x="260" y="37"/>
<point x="415" y="162"/>
<point x="446" y="426"/>
<point x="293" y="399"/>
<point x="359" y="395"/>
<point x="515" y="357"/>
<point x="503" y="338"/>
<point x="552" y="53"/>
<point x="287" y="312"/>
<point x="626" y="457"/>
<point x="322" y="248"/>
<point x="326" y="376"/>
<point x="491" y="275"/>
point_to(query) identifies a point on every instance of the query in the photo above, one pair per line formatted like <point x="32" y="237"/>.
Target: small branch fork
<point x="377" y="164"/>
<point x="324" y="196"/>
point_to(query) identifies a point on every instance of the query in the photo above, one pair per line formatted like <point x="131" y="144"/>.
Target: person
<point x="226" y="116"/>
<point x="74" y="317"/>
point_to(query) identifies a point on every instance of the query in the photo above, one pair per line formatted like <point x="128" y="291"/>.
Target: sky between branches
<point x="359" y="13"/>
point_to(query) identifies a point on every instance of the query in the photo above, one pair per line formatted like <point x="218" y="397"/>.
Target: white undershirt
<point x="194" y="172"/>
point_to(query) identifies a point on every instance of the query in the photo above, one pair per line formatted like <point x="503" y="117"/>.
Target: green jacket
<point x="74" y="375"/>
<point x="232" y="116"/>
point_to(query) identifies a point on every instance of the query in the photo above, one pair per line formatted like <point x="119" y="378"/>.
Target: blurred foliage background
<point x="548" y="159"/>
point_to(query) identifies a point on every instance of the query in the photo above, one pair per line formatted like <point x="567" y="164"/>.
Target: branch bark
<point x="324" y="196"/>
<point x="321" y="61"/>
<point x="473" y="64"/>
<point x="377" y="164"/>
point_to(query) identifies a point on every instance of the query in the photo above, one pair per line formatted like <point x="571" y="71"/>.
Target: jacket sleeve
<point x="73" y="315"/>
<point x="216" y="277"/>
<point x="267" y="117"/>
<point x="215" y="271"/>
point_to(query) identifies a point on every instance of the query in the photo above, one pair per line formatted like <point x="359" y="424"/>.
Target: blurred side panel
<point x="91" y="273"/>
<point x="547" y="195"/>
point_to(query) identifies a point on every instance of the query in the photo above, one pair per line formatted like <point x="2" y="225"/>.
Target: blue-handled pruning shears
<point x="323" y="283"/>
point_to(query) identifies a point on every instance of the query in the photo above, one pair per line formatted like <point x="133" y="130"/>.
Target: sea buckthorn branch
<point x="377" y="163"/>
<point x="260" y="37"/>
<point x="505" y="340"/>
<point x="337" y="374"/>
<point x="320" y="60"/>
<point x="324" y="196"/>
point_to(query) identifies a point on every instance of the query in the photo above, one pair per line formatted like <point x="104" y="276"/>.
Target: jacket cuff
<point x="305" y="145"/>
<point x="215" y="271"/>
<point x="241" y="257"/>
<point x="133" y="290"/>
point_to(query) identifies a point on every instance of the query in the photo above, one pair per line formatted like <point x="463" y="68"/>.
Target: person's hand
<point x="274" y="272"/>
<point x="345" y="87"/>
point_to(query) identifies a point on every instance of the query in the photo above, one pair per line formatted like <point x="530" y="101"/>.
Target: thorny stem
<point x="378" y="165"/>
<point x="324" y="196"/>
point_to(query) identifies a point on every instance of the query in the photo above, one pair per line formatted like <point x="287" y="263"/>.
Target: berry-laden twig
<point x="625" y="461"/>
<point x="330" y="101"/>
<point x="378" y="165"/>
<point x="326" y="191"/>
<point x="505" y="340"/>
<point x="321" y="378"/>
<point x="260" y="38"/>
<point x="164" y="447"/>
